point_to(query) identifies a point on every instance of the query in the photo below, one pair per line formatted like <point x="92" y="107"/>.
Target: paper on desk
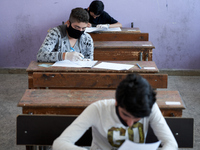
<point x="172" y="103"/>
<point x="94" y="29"/>
<point x="149" y="68"/>
<point x="113" y="66"/>
<point x="68" y="63"/>
<point x="127" y="145"/>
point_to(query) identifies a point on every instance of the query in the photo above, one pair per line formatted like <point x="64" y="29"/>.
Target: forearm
<point x="162" y="130"/>
<point x="73" y="133"/>
<point x="45" y="56"/>
<point x="115" y="25"/>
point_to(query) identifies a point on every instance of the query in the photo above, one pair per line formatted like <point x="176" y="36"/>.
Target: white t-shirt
<point x="109" y="133"/>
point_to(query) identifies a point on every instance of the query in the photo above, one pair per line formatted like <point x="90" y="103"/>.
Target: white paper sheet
<point x="127" y="145"/>
<point x="113" y="66"/>
<point x="68" y="63"/>
<point x="149" y="68"/>
<point x="94" y="29"/>
<point x="172" y="103"/>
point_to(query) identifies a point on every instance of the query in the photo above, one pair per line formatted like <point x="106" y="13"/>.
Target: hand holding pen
<point x="74" y="56"/>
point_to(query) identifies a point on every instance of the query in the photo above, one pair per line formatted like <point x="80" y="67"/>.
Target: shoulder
<point x="54" y="31"/>
<point x="85" y="37"/>
<point x="105" y="14"/>
<point x="104" y="103"/>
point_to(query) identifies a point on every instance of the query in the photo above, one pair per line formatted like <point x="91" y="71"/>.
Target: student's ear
<point x="88" y="9"/>
<point x="115" y="103"/>
<point x="89" y="25"/>
<point x="67" y="23"/>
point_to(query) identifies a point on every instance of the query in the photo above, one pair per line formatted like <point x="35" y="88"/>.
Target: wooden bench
<point x="73" y="102"/>
<point x="44" y="129"/>
<point x="123" y="50"/>
<point x="90" y="78"/>
<point x="127" y="34"/>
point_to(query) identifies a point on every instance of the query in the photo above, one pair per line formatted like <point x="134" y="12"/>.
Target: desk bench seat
<point x="123" y="50"/>
<point x="34" y="130"/>
<point x="73" y="102"/>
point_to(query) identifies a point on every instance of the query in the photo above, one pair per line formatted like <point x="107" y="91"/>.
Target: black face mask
<point x="73" y="32"/>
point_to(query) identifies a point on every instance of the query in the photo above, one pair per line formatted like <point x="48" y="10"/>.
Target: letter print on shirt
<point x="135" y="133"/>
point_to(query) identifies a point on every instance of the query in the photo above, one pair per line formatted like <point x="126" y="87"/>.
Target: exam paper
<point x="68" y="63"/>
<point x="172" y="103"/>
<point x="113" y="66"/>
<point x="127" y="145"/>
<point x="94" y="29"/>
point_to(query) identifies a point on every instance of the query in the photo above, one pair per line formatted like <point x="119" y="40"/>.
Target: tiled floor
<point x="12" y="87"/>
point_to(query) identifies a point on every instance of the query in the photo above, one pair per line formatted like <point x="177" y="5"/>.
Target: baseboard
<point x="173" y="72"/>
<point x="170" y="72"/>
<point x="13" y="71"/>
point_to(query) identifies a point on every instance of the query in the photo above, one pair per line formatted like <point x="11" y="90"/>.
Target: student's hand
<point x="74" y="56"/>
<point x="86" y="59"/>
<point x="89" y="25"/>
<point x="106" y="26"/>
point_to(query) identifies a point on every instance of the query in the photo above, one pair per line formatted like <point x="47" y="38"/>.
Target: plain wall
<point x="173" y="27"/>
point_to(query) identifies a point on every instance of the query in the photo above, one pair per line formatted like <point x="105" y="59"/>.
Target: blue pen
<point x="72" y="49"/>
<point x="139" y="66"/>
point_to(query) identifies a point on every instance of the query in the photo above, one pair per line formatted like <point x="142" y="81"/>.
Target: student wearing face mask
<point x="69" y="41"/>
<point x="127" y="117"/>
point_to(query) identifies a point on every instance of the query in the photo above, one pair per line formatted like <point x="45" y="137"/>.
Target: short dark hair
<point x="79" y="15"/>
<point x="96" y="7"/>
<point x="135" y="95"/>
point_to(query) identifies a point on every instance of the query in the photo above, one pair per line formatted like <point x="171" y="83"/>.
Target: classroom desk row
<point x="73" y="102"/>
<point x="90" y="78"/>
<point x="123" y="50"/>
<point x="126" y="34"/>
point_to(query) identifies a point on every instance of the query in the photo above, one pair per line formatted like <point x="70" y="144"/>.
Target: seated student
<point x="99" y="18"/>
<point x="68" y="41"/>
<point x="115" y="120"/>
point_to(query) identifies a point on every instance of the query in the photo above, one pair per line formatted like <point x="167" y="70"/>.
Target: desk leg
<point x="43" y="147"/>
<point x="31" y="147"/>
<point x="30" y="80"/>
<point x="141" y="56"/>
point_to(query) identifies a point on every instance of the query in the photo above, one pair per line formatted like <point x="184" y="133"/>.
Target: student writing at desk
<point x="115" y="120"/>
<point x="99" y="18"/>
<point x="68" y="41"/>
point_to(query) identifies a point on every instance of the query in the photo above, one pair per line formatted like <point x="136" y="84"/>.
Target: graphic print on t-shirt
<point x="135" y="133"/>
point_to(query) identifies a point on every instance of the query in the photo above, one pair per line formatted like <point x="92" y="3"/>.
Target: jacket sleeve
<point x="73" y="132"/>
<point x="48" y="51"/>
<point x="162" y="130"/>
<point x="87" y="46"/>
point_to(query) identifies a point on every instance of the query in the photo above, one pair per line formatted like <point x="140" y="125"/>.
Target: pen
<point x="139" y="66"/>
<point x="72" y="49"/>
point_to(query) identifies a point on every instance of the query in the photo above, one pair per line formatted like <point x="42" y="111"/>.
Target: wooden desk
<point x="90" y="78"/>
<point x="73" y="102"/>
<point x="123" y="50"/>
<point x="127" y="34"/>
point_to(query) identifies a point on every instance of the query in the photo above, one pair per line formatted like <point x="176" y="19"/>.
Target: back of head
<point x="96" y="7"/>
<point x="135" y="95"/>
<point x="79" y="15"/>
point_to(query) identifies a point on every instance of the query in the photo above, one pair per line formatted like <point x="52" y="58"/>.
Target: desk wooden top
<point x="123" y="44"/>
<point x="123" y="30"/>
<point x="82" y="98"/>
<point x="33" y="67"/>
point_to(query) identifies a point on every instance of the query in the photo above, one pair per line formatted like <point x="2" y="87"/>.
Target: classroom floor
<point x="13" y="86"/>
